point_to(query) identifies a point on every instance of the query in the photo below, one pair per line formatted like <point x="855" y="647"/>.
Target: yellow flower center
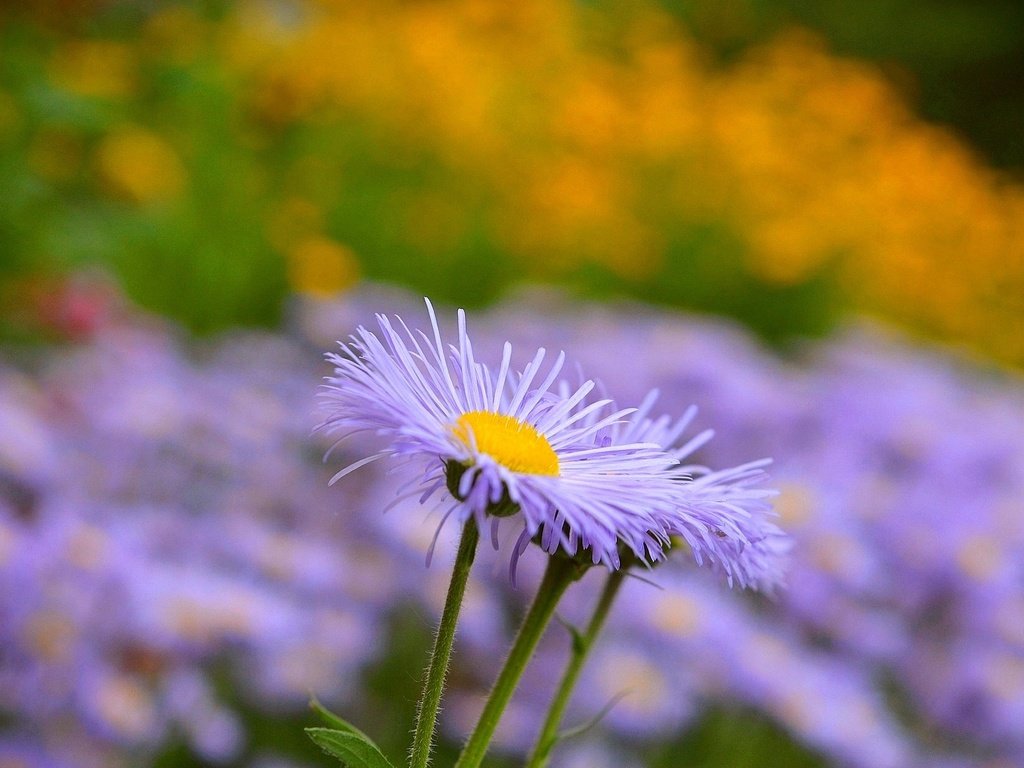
<point x="510" y="442"/>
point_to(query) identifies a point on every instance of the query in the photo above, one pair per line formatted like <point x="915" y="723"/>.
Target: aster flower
<point x="724" y="516"/>
<point x="501" y="443"/>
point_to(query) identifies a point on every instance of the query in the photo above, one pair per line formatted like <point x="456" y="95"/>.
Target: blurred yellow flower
<point x="102" y="68"/>
<point x="139" y="166"/>
<point x="321" y="267"/>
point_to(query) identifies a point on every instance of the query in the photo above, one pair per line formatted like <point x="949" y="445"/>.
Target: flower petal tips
<point x="725" y="516"/>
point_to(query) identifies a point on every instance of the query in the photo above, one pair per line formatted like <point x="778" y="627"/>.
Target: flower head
<point x="501" y="442"/>
<point x="586" y="477"/>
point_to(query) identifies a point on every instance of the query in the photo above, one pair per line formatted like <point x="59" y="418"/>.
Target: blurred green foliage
<point x="217" y="156"/>
<point x="194" y="256"/>
<point x="736" y="738"/>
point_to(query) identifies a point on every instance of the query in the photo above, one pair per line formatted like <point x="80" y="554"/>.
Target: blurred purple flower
<point x="141" y="467"/>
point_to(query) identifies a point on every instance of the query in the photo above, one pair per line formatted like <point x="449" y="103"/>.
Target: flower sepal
<point x="454" y="470"/>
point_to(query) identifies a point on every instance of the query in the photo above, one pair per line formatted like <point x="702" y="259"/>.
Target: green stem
<point x="430" y="700"/>
<point x="560" y="573"/>
<point x="580" y="649"/>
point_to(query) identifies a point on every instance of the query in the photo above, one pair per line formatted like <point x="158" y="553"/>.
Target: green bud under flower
<point x="454" y="471"/>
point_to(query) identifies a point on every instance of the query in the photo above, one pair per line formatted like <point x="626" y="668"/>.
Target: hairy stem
<point x="437" y="671"/>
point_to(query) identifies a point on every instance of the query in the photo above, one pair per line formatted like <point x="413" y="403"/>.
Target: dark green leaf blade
<point x="333" y="721"/>
<point x="353" y="749"/>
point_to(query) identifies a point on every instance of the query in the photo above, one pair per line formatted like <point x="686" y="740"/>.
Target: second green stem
<point x="580" y="648"/>
<point x="560" y="573"/>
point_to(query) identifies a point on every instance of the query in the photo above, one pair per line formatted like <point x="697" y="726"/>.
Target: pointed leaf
<point x="544" y="750"/>
<point x="579" y="730"/>
<point x="578" y="641"/>
<point x="352" y="749"/>
<point x="332" y="720"/>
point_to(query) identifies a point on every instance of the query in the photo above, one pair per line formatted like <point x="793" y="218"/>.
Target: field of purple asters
<point x="176" y="575"/>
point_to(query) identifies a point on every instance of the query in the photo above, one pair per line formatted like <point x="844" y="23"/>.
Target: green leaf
<point x="579" y="730"/>
<point x="353" y="749"/>
<point x="332" y="720"/>
<point x="578" y="641"/>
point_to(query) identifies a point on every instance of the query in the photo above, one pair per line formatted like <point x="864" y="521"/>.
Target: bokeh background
<point x="808" y="219"/>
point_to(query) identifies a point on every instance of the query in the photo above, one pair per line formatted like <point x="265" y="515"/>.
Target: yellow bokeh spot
<point x="101" y="68"/>
<point x="50" y="635"/>
<point x="980" y="557"/>
<point x="140" y="166"/>
<point x="321" y="267"/>
<point x="642" y="674"/>
<point x="512" y="443"/>
<point x="676" y="615"/>
<point x="126" y="706"/>
<point x="88" y="547"/>
<point x="796" y="504"/>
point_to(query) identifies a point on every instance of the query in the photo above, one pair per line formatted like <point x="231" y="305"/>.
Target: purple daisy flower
<point x="501" y="443"/>
<point x="724" y="516"/>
